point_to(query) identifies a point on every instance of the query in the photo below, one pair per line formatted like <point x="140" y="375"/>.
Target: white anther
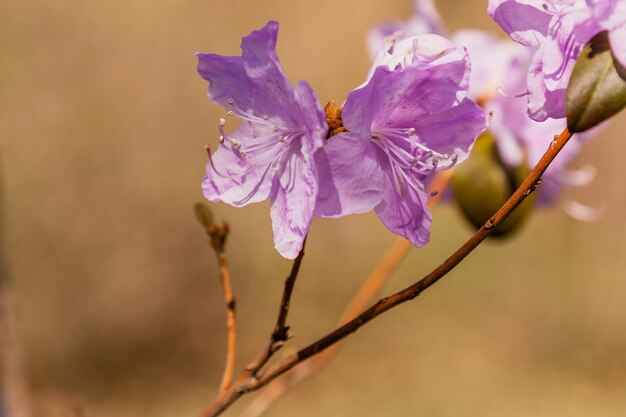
<point x="222" y="122"/>
<point x="275" y="167"/>
<point x="282" y="139"/>
<point x="221" y="139"/>
<point x="410" y="130"/>
<point x="445" y="156"/>
<point x="230" y="113"/>
<point x="265" y="117"/>
<point x="235" y="143"/>
<point x="231" y="101"/>
<point x="276" y="129"/>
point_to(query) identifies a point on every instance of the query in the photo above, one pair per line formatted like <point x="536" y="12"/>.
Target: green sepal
<point x="204" y="215"/>
<point x="483" y="183"/>
<point x="597" y="86"/>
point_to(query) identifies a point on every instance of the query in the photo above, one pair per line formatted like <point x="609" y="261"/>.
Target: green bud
<point x="597" y="87"/>
<point x="203" y="214"/>
<point x="483" y="183"/>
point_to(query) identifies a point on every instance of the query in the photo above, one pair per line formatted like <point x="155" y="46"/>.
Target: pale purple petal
<point x="453" y="130"/>
<point x="426" y="11"/>
<point x="435" y="77"/>
<point x="406" y="215"/>
<point x="491" y="60"/>
<point x="546" y="101"/>
<point x="273" y="90"/>
<point x="313" y="117"/>
<point x="350" y="169"/>
<point x="617" y="38"/>
<point x="425" y="20"/>
<point x="231" y="179"/>
<point x="526" y="21"/>
<point x="227" y="79"/>
<point x="611" y="15"/>
<point x="292" y="207"/>
<point x="253" y="83"/>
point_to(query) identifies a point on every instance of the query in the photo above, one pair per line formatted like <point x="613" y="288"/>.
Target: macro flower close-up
<point x="411" y="120"/>
<point x="443" y="181"/>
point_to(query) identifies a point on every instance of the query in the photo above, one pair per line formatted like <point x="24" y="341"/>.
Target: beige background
<point x="118" y="307"/>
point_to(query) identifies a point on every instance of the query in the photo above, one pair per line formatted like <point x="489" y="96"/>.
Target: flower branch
<point x="281" y="331"/>
<point x="217" y="238"/>
<point x="364" y="296"/>
<point x="528" y="186"/>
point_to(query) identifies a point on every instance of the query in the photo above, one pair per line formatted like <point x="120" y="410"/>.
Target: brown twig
<point x="245" y="384"/>
<point x="217" y="238"/>
<point x="366" y="293"/>
<point x="230" y="321"/>
<point x="277" y="339"/>
<point x="281" y="331"/>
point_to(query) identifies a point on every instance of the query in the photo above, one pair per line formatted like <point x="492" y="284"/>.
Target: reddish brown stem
<point x="229" y="298"/>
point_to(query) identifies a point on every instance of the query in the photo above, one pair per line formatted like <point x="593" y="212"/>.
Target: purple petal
<point x="545" y="100"/>
<point x="292" y="207"/>
<point x="426" y="12"/>
<point x="313" y="117"/>
<point x="350" y="176"/>
<point x="264" y="69"/>
<point x="406" y="215"/>
<point x="253" y="83"/>
<point x="428" y="84"/>
<point x="231" y="179"/>
<point x="453" y="130"/>
<point x="526" y="21"/>
<point x="617" y="37"/>
<point x="425" y="20"/>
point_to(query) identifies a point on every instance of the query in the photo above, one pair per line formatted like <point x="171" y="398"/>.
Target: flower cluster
<point x="558" y="30"/>
<point x="498" y="83"/>
<point x="410" y="119"/>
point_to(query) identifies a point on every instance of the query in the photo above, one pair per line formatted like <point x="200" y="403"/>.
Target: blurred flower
<point x="498" y="83"/>
<point x="425" y="20"/>
<point x="271" y="155"/>
<point x="559" y="30"/>
<point x="611" y="15"/>
<point x="410" y="119"/>
<point x="498" y="68"/>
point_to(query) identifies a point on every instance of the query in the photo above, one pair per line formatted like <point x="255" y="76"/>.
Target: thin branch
<point x="364" y="296"/>
<point x="229" y="298"/>
<point x="281" y="331"/>
<point x="277" y="339"/>
<point x="246" y="384"/>
<point x="217" y="238"/>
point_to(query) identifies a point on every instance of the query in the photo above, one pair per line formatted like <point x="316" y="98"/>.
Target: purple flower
<point x="271" y="155"/>
<point x="500" y="67"/>
<point x="499" y="74"/>
<point x="611" y="15"/>
<point x="410" y="119"/>
<point x="425" y="20"/>
<point x="559" y="29"/>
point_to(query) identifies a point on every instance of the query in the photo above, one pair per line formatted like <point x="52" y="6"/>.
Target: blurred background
<point x="117" y="306"/>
